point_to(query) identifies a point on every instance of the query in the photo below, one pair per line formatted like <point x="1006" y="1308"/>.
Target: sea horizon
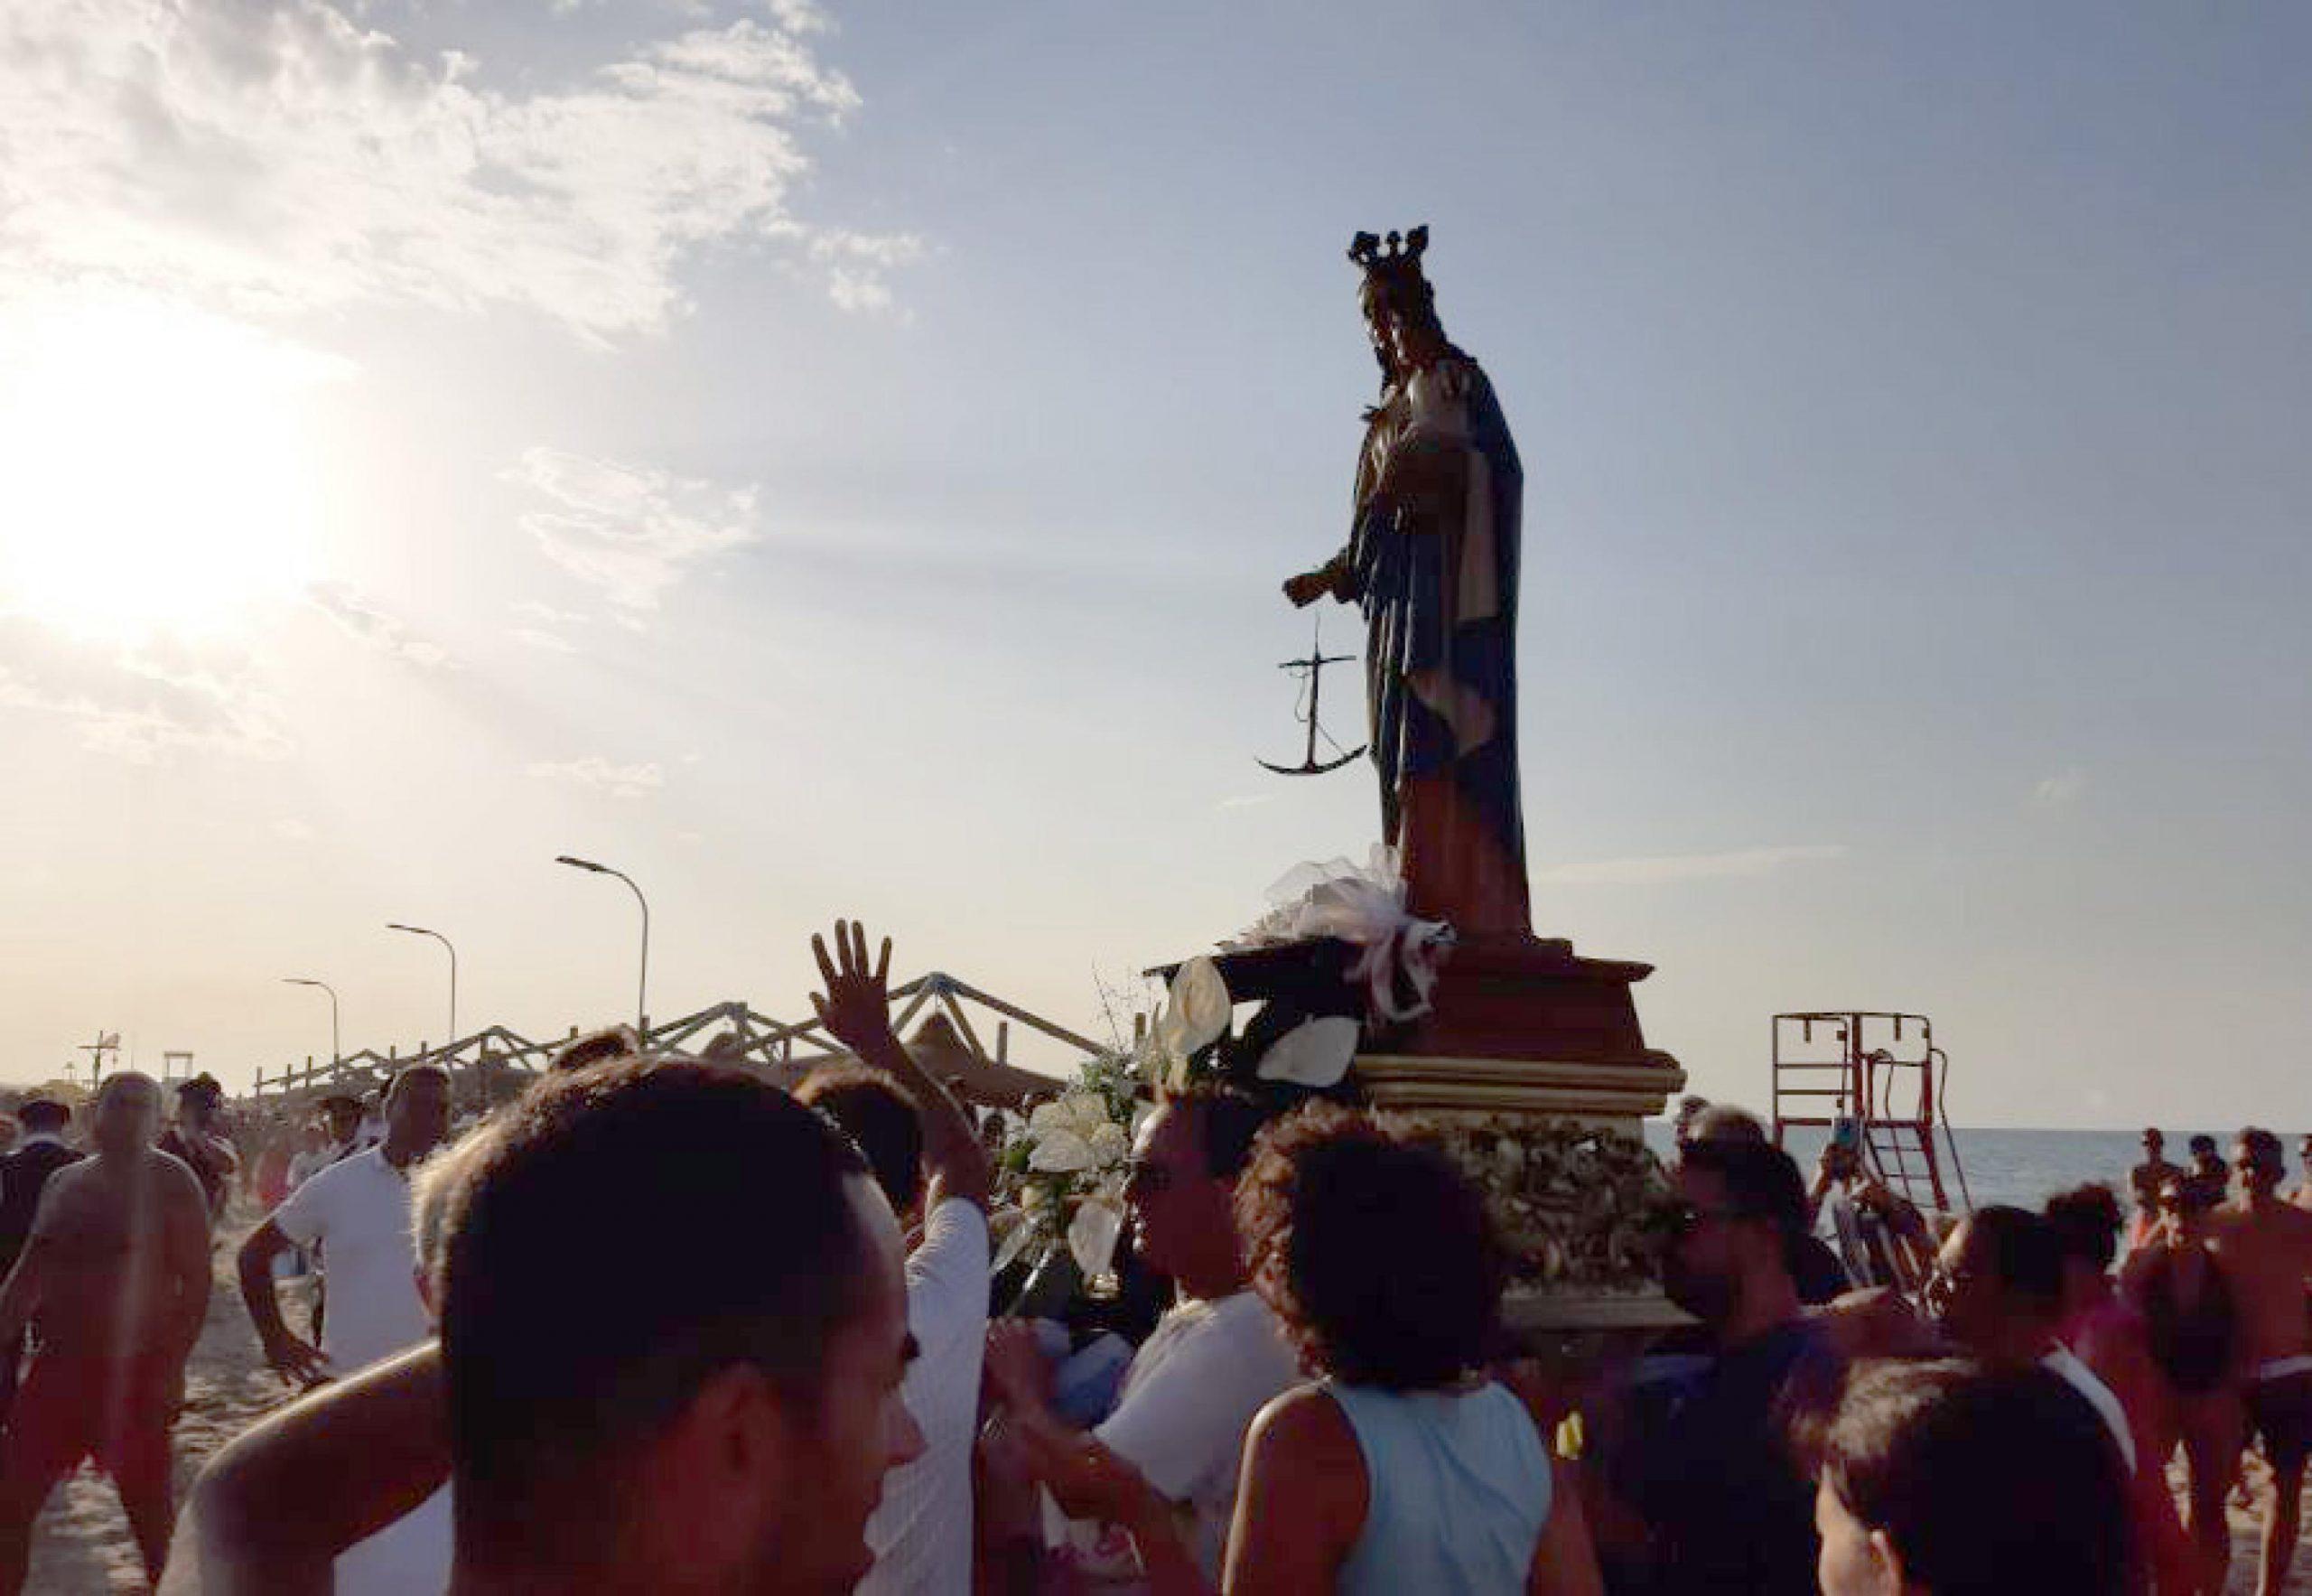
<point x="2013" y="1164"/>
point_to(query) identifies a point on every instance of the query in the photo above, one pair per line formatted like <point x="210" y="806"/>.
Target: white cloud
<point x="540" y="617"/>
<point x="361" y="620"/>
<point x="1246" y="801"/>
<point x="140" y="701"/>
<point x="295" y="831"/>
<point x="2060" y="790"/>
<point x="594" y="771"/>
<point x="859" y="265"/>
<point x="1657" y="869"/>
<point x="799" y="16"/>
<point x="291" y="156"/>
<point x="632" y="531"/>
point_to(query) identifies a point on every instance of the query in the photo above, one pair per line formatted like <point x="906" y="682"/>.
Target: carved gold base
<point x="1611" y="1097"/>
<point x="1618" y="1097"/>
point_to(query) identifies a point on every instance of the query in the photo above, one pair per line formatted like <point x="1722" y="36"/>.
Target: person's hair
<point x="2262" y="1146"/>
<point x="2152" y="1132"/>
<point x="1985" y="1482"/>
<point x="554" y="1369"/>
<point x="431" y="1186"/>
<point x="596" y="1047"/>
<point x="1724" y="1121"/>
<point x="1374" y="1250"/>
<point x="2021" y="1252"/>
<point x="2203" y="1142"/>
<point x="43" y="1115"/>
<point x="880" y="1116"/>
<point x="410" y="1071"/>
<point x="1229" y="1119"/>
<point x="2086" y="1223"/>
<point x="1761" y="1182"/>
<point x="120" y="1080"/>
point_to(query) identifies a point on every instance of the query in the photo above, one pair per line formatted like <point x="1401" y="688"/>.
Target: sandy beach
<point x="81" y="1545"/>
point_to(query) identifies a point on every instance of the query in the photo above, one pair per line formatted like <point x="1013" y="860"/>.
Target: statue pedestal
<point x="1525" y="998"/>
<point x="1518" y="1028"/>
<point x="1616" y="1097"/>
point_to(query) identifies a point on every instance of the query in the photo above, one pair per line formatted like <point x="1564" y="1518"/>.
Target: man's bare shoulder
<point x="67" y="1179"/>
<point x="2242" y="1227"/>
<point x="75" y="1189"/>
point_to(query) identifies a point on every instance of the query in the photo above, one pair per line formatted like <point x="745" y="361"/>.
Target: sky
<point x="839" y="459"/>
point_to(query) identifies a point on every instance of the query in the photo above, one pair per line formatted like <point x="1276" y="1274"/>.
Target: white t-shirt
<point x="1188" y="1400"/>
<point x="2083" y="1380"/>
<point x="358" y="1209"/>
<point x="921" y="1533"/>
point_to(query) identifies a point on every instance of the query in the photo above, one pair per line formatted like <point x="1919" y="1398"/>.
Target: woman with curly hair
<point x="1403" y="1467"/>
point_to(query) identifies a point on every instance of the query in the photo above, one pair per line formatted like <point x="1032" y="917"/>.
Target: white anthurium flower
<point x="1092" y="1234"/>
<point x="1314" y="1053"/>
<point x="1195" y="1012"/>
<point x="1016" y="1235"/>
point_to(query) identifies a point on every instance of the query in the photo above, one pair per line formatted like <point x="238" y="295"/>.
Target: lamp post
<point x="642" y="985"/>
<point x="336" y="1045"/>
<point x="451" y="1039"/>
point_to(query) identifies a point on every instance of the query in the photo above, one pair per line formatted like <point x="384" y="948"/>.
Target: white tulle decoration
<point x="1364" y="905"/>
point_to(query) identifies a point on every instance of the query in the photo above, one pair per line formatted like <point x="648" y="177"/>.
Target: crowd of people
<point x="656" y="1324"/>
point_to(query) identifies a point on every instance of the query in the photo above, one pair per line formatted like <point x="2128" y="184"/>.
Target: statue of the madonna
<point x="1432" y="562"/>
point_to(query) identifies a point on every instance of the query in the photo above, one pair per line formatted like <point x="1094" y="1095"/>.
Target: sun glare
<point x="157" y="472"/>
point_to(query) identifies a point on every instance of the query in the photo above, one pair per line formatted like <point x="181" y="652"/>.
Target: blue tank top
<point x="1459" y="1488"/>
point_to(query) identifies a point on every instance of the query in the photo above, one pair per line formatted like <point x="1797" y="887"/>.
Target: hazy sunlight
<point x="160" y="474"/>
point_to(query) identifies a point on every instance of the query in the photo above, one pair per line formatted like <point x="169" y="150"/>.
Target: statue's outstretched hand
<point x="1307" y="588"/>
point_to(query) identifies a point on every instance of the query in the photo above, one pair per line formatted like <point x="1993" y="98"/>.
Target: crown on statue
<point x="1393" y="264"/>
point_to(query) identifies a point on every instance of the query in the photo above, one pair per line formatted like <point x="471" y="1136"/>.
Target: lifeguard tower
<point x="1881" y="1074"/>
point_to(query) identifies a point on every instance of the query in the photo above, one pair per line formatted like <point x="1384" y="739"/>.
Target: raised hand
<point x="857" y="1007"/>
<point x="1014" y="1369"/>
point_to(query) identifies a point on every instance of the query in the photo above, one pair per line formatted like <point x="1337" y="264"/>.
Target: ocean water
<point x="2021" y="1167"/>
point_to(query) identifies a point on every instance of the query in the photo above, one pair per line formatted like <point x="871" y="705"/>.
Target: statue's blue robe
<point x="1438" y="587"/>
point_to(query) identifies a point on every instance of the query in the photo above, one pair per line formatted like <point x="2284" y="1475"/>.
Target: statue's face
<point x="1380" y="326"/>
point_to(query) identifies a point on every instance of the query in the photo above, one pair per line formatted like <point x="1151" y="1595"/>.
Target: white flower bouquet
<point x="1066" y="1171"/>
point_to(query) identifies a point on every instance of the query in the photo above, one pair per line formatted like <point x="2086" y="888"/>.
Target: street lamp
<point x="642" y="986"/>
<point x="336" y="1046"/>
<point x="451" y="1039"/>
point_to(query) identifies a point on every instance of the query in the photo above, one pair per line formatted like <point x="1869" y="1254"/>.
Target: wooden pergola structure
<point x="952" y="1025"/>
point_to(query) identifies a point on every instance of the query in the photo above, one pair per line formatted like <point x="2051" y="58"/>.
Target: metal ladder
<point x="1882" y="1070"/>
